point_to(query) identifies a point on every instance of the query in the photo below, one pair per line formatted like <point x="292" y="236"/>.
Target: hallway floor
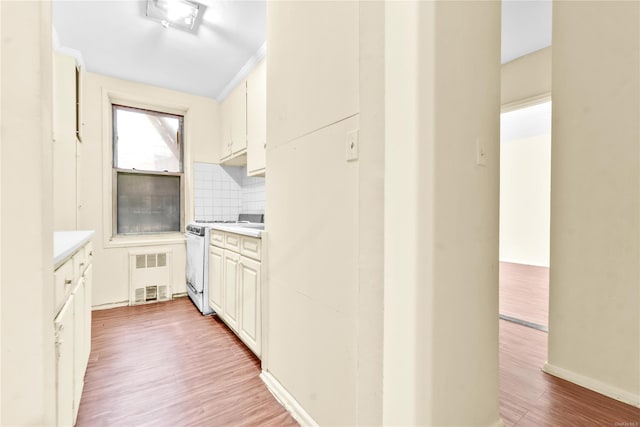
<point x="528" y="396"/>
<point x="524" y="292"/>
<point x="166" y="365"/>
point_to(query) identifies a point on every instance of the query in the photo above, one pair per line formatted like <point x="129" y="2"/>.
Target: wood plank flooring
<point x="532" y="398"/>
<point x="528" y="396"/>
<point x="166" y="365"/>
<point x="524" y="292"/>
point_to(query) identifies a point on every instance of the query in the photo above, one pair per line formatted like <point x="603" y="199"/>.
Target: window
<point x="147" y="171"/>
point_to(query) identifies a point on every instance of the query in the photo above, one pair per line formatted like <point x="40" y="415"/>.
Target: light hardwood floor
<point x="166" y="365"/>
<point x="528" y="396"/>
<point x="524" y="292"/>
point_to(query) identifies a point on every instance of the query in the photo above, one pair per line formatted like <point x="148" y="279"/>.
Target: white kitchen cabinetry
<point x="216" y="277"/>
<point x="72" y="326"/>
<point x="63" y="325"/>
<point x="249" y="283"/>
<point x="235" y="285"/>
<point x="234" y="126"/>
<point x="230" y="280"/>
<point x="79" y="364"/>
<point x="257" y="120"/>
<point x="66" y="133"/>
<point x="64" y="94"/>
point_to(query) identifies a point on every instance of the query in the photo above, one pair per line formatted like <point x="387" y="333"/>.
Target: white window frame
<point x="116" y="171"/>
<point x="110" y="236"/>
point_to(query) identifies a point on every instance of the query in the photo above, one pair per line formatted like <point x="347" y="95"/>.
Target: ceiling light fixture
<point x="182" y="14"/>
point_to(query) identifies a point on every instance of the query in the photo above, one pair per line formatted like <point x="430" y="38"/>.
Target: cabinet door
<point x="238" y="100"/>
<point x="63" y="326"/>
<point x="78" y="344"/>
<point x="257" y="118"/>
<point x="250" y="318"/>
<point x="230" y="309"/>
<point x="64" y="101"/>
<point x="64" y="145"/>
<point x="225" y="124"/>
<point x="88" y="288"/>
<point x="216" y="278"/>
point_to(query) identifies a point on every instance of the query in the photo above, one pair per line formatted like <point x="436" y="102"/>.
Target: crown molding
<point x="246" y="69"/>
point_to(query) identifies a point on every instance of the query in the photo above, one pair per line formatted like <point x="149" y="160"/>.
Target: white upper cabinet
<point x="64" y="98"/>
<point x="234" y="123"/>
<point x="243" y="121"/>
<point x="65" y="121"/>
<point x="257" y="119"/>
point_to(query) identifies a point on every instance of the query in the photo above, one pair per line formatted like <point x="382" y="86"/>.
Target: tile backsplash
<point x="223" y="192"/>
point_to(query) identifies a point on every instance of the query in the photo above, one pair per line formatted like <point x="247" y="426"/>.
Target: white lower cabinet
<point x="234" y="285"/>
<point x="249" y="284"/>
<point x="230" y="310"/>
<point x="64" y="331"/>
<point x="88" y="288"/>
<point x="72" y="327"/>
<point x="216" y="255"/>
<point x="79" y="364"/>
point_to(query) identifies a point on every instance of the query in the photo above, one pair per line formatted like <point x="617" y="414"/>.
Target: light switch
<point x="352" y="145"/>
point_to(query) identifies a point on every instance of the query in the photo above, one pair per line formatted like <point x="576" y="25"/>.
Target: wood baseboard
<point x="287" y="400"/>
<point x="592" y="384"/>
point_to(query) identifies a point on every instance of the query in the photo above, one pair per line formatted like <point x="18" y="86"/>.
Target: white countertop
<point x="67" y="243"/>
<point x="238" y="229"/>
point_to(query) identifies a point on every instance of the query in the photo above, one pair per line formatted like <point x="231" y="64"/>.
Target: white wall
<point x="27" y="369"/>
<point x="594" y="307"/>
<point x="525" y="185"/>
<point x="312" y="205"/>
<point x="332" y="233"/>
<point x="94" y="177"/>
<point x="441" y="213"/>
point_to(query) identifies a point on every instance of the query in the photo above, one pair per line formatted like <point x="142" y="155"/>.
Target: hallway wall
<point x="27" y="352"/>
<point x="594" y="319"/>
<point x="441" y="213"/>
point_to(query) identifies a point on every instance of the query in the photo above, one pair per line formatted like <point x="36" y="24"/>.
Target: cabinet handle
<point x="67" y="281"/>
<point x="91" y="253"/>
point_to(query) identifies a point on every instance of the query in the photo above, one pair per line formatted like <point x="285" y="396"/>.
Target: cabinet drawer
<point x="217" y="238"/>
<point x="63" y="280"/>
<point x="232" y="242"/>
<point x="251" y="247"/>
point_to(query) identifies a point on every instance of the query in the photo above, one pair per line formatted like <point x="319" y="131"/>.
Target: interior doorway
<point x="525" y="193"/>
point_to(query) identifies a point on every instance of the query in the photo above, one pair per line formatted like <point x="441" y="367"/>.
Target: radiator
<point x="150" y="277"/>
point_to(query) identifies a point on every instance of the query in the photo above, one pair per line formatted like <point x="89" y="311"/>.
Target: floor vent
<point x="149" y="277"/>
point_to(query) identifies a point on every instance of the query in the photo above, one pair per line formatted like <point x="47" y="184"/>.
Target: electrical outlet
<point x="352" y="145"/>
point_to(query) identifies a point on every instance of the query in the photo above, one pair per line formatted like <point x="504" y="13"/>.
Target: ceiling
<point x="526" y="27"/>
<point x="115" y="38"/>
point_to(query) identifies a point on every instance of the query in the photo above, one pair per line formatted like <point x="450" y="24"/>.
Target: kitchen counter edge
<point x="251" y="232"/>
<point x="67" y="243"/>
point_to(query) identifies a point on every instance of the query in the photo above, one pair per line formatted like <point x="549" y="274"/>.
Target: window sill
<point x="145" y="240"/>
